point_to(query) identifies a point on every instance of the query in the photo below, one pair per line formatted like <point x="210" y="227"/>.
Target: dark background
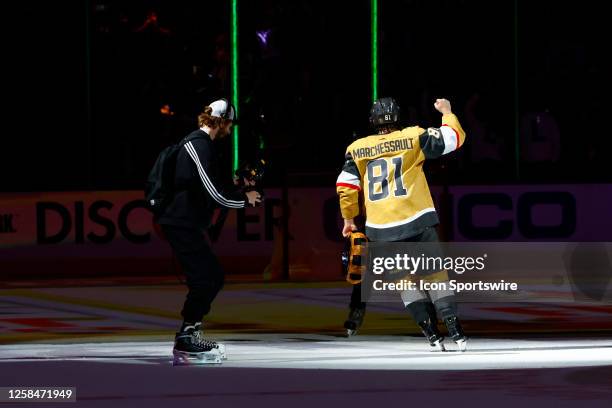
<point x="85" y="82"/>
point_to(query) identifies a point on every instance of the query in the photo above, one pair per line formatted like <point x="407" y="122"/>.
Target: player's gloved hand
<point x="253" y="197"/>
<point x="349" y="226"/>
<point x="443" y="106"/>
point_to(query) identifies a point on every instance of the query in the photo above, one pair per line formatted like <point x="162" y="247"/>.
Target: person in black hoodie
<point x="198" y="191"/>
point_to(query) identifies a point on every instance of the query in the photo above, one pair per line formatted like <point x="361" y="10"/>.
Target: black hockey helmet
<point x="385" y="111"/>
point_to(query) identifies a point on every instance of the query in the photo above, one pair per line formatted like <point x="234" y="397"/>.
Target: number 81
<point x="383" y="179"/>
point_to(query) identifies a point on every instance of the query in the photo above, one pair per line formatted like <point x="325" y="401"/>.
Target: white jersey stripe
<point x="348" y="178"/>
<point x="450" y="139"/>
<point x="401" y="222"/>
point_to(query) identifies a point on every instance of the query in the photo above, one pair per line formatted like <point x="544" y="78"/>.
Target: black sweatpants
<point x="204" y="275"/>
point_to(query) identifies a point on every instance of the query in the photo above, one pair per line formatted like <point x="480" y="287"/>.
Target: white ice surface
<point x="326" y="352"/>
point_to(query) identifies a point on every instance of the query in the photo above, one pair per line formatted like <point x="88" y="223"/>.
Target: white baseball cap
<point x="221" y="108"/>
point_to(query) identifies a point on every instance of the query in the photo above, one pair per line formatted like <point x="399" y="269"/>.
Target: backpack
<point x="159" y="188"/>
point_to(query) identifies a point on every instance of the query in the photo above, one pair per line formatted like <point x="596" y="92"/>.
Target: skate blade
<point x="221" y="351"/>
<point x="438" y="346"/>
<point x="462" y="344"/>
<point x="350" y="333"/>
<point x="185" y="359"/>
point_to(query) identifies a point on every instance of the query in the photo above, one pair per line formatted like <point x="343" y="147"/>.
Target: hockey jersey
<point x="388" y="170"/>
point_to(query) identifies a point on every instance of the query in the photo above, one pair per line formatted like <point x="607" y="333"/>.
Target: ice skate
<point x="431" y="333"/>
<point x="455" y="332"/>
<point x="191" y="348"/>
<point x="354" y="321"/>
<point x="217" y="347"/>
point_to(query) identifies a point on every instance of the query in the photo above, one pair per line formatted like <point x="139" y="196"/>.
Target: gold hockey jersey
<point x="388" y="170"/>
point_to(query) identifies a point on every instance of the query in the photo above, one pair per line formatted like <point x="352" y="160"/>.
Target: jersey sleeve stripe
<point x="451" y="139"/>
<point x="349" y="178"/>
<point x="347" y="185"/>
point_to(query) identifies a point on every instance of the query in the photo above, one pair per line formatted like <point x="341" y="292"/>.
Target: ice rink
<point x="114" y="344"/>
<point x="305" y="371"/>
<point x="320" y="352"/>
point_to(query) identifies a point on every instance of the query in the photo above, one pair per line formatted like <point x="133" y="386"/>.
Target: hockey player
<point x="387" y="168"/>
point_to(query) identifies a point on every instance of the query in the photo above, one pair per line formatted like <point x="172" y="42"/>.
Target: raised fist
<point x="443" y="106"/>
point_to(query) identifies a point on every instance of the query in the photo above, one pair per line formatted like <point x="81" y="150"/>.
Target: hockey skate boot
<point x="455" y="332"/>
<point x="191" y="348"/>
<point x="354" y="320"/>
<point x="431" y="333"/>
<point x="218" y="347"/>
